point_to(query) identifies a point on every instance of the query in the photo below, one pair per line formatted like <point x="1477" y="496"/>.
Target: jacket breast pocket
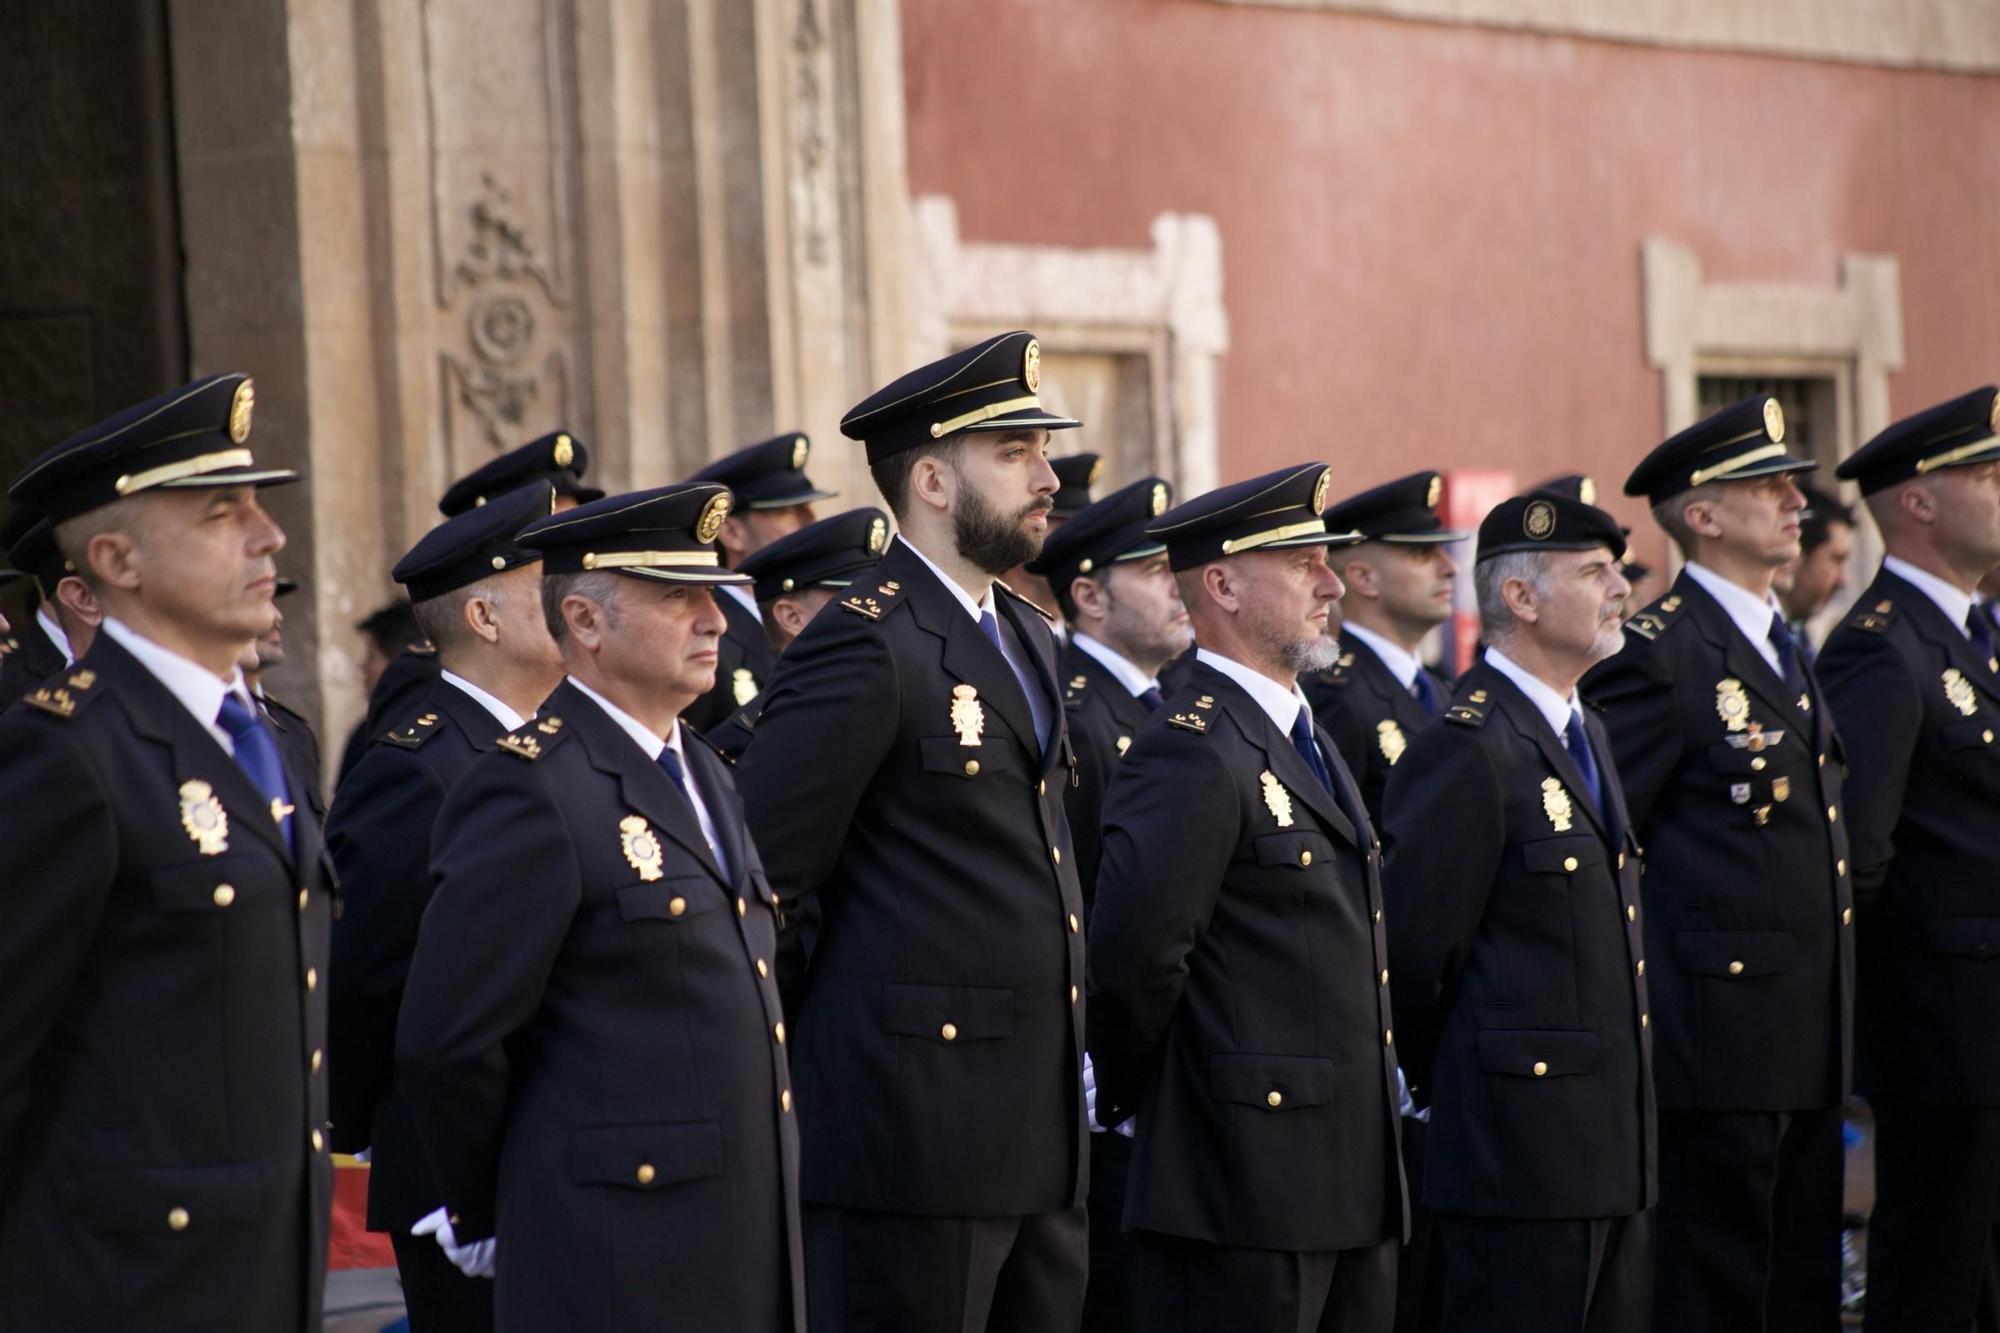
<point x="222" y="885"/>
<point x="646" y="1157"/>
<point x="947" y="757"/>
<point x="678" y="900"/>
<point x="948" y="1014"/>
<point x="1971" y="734"/>
<point x="1300" y="849"/>
<point x="181" y="1199"/>
<point x="1735" y="953"/>
<point x="1538" y="1052"/>
<point x="1562" y="856"/>
<point x="1271" y="1082"/>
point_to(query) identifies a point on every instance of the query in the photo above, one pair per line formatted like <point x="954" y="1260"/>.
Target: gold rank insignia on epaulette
<point x="532" y="739"/>
<point x="1874" y="618"/>
<point x="1040" y="610"/>
<point x="1196" y="718"/>
<point x="421" y="728"/>
<point x="863" y="605"/>
<point x="1649" y="623"/>
<point x="1465" y="715"/>
<point x="1074" y="692"/>
<point x="423" y="649"/>
<point x="61" y="698"/>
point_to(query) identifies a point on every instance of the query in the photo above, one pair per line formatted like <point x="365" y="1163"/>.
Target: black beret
<point x="475" y="544"/>
<point x="1279" y="509"/>
<point x="1403" y="510"/>
<point x="1576" y="485"/>
<point x="193" y="437"/>
<point x="767" y="475"/>
<point x="826" y="554"/>
<point x="1742" y="441"/>
<point x="1075" y="474"/>
<point x="558" y="458"/>
<point x="30" y="543"/>
<point x="990" y="386"/>
<point x="1954" y="434"/>
<point x="1104" y="532"/>
<point x="667" y="533"/>
<point x="1548" y="521"/>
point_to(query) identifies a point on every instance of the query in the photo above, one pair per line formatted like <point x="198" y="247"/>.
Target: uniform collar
<point x="973" y="608"/>
<point x="1555" y="709"/>
<point x="505" y="716"/>
<point x="641" y="735"/>
<point x="1745" y="611"/>
<point x="53" y="628"/>
<point x="1119" y="665"/>
<point x="1955" y="604"/>
<point x="199" y="689"/>
<point x="1402" y="663"/>
<point x="744" y="598"/>
<point x="1279" y="704"/>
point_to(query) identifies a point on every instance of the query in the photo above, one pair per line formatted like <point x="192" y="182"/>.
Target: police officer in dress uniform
<point x="64" y="623"/>
<point x="477" y="594"/>
<point x="1518" y="952"/>
<point x="162" y="1079"/>
<point x="772" y="498"/>
<point x="796" y="576"/>
<point x="295" y="736"/>
<point x="1911" y="681"/>
<point x="908" y="773"/>
<point x="591" y="1037"/>
<point x="1076" y="476"/>
<point x="1238" y="964"/>
<point x="1732" y="777"/>
<point x="559" y="459"/>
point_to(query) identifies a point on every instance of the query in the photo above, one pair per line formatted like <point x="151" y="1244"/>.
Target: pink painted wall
<point x="1430" y="234"/>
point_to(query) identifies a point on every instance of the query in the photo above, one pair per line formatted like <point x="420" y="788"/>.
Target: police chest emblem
<point x="1124" y="744"/>
<point x="204" y="818"/>
<point x="1390" y="737"/>
<point x="1555" y="804"/>
<point x="1732" y="705"/>
<point x="1959" y="691"/>
<point x="1276" y="799"/>
<point x="641" y="848"/>
<point x="742" y="686"/>
<point x="968" y="719"/>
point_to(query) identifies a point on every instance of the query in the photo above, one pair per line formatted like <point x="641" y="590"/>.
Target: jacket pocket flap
<point x="1735" y="953"/>
<point x="1274" y="1082"/>
<point x="199" y="887"/>
<point x="656" y="901"/>
<point x="971" y="1013"/>
<point x="645" y="1157"/>
<point x="1963" y="936"/>
<point x="945" y="754"/>
<point x="1971" y="734"/>
<point x="184" y="1198"/>
<point x="1561" y="856"/>
<point x="1294" y="847"/>
<point x="1538" y="1052"/>
<point x="1743" y="763"/>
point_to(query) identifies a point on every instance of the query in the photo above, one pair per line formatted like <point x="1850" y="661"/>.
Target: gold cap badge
<point x="1540" y="520"/>
<point x="1436" y="489"/>
<point x="1031" y="366"/>
<point x="1319" y="489"/>
<point x="565" y="452"/>
<point x="240" y="408"/>
<point x="1159" y="498"/>
<point x="1096" y="471"/>
<point x="711" y="517"/>
<point x="878" y="536"/>
<point x="799" y="451"/>
<point x="1774" y="420"/>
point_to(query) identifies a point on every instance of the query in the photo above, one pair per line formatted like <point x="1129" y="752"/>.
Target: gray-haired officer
<point x="1239" y="982"/>
<point x="770" y="497"/>
<point x="1911" y="680"/>
<point x="908" y="774"/>
<point x="162" y="965"/>
<point x="1732" y="775"/>
<point x="1518" y="951"/>
<point x="591" y="1037"/>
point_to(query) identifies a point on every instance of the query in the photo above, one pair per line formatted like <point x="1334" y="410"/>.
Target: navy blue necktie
<point x="1308" y="748"/>
<point x="1030" y="693"/>
<point x="1426" y="693"/>
<point x="1577" y="741"/>
<point x="672" y="763"/>
<point x="257" y="756"/>
<point x="1152" y="698"/>
<point x="1981" y="630"/>
<point x="1788" y="654"/>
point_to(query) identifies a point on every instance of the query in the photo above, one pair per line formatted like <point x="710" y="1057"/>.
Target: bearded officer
<point x="590" y="1036"/>
<point x="1911" y="681"/>
<point x="1239" y="993"/>
<point x="477" y="594"/>
<point x="162" y="1078"/>
<point x="1517" y="950"/>
<point x="1732" y="776"/>
<point x="908" y="775"/>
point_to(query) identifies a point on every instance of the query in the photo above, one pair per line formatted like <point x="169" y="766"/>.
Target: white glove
<point x="474" y="1260"/>
<point x="1128" y="1126"/>
<point x="1408" y="1108"/>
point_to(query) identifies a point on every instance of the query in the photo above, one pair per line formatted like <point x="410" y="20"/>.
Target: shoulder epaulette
<point x="742" y="717"/>
<point x="1073" y="692"/>
<point x="1466" y="715"/>
<point x="1875" y="619"/>
<point x="1040" y="610"/>
<point x="420" y="729"/>
<point x="531" y="740"/>
<point x="872" y="606"/>
<point x="423" y="649"/>
<point x="1650" y="623"/>
<point x="1194" y="719"/>
<point x="62" y="697"/>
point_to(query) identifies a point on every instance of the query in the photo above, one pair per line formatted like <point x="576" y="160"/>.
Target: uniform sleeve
<point x="1435" y="888"/>
<point x="1634" y="694"/>
<point x="1171" y="822"/>
<point x="508" y="886"/>
<point x="1879" y="715"/>
<point x="61" y="848"/>
<point x="379" y="835"/>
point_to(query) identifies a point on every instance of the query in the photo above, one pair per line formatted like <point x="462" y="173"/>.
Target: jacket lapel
<point x="725" y="807"/>
<point x="1285" y="762"/>
<point x="1375" y="674"/>
<point x="1033" y="634"/>
<point x="1529" y="722"/>
<point x="968" y="656"/>
<point x="1121" y="703"/>
<point x="1934" y="627"/>
<point x="643" y="785"/>
<point x="1739" y="655"/>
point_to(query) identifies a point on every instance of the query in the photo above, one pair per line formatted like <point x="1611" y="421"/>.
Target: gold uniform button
<point x="645" y="1175"/>
<point x="1075" y="926"/>
<point x="1073" y="993"/>
<point x="778" y="1031"/>
<point x="224" y="895"/>
<point x="1541" y="1068"/>
<point x="1840" y="866"/>
<point x="177" y="1219"/>
<point x="1642" y="967"/>
<point x="1274" y="1098"/>
<point x="1847" y="916"/>
<point x="1621" y="860"/>
<point x="972" y="768"/>
<point x="742" y="907"/>
<point x="1305" y="858"/>
<point x="312" y="978"/>
<point x="1833" y="814"/>
<point x="303" y="895"/>
<point x="1056" y="854"/>
<point x="676" y="906"/>
<point x="1378" y="916"/>
<point x="1757" y="764"/>
<point x="1645" y="1020"/>
<point x="1735" y="968"/>
<point x="1822" y="761"/>
<point x="319" y="1142"/>
<point x="319" y="1058"/>
<point x="949" y="1032"/>
<point x="1388" y="1036"/>
<point x="1631" y="912"/>
<point x="1987" y="736"/>
<point x="1385" y="976"/>
<point x="763" y="968"/>
<point x="1042" y="788"/>
<point x="1569" y="863"/>
<point x="785" y="1101"/>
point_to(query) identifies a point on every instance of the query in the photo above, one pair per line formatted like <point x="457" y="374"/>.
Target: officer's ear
<point x="1919" y="501"/>
<point x="1360" y="577"/>
<point x="1091" y="598"/>
<point x="1221" y="585"/>
<point x="77" y="598"/>
<point x="480" y="616"/>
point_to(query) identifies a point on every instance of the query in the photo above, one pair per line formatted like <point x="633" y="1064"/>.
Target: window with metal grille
<point x="1811" y="424"/>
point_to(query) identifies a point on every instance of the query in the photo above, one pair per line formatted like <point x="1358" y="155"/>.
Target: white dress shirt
<point x="1281" y="705"/>
<point x="53" y="628"/>
<point x="744" y="598"/>
<point x="505" y="716"/>
<point x="1402" y="663"/>
<point x="1956" y="603"/>
<point x="1748" y="614"/>
<point x="199" y="689"/>
<point x="1119" y="665"/>
<point x="652" y="744"/>
<point x="1555" y="709"/>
